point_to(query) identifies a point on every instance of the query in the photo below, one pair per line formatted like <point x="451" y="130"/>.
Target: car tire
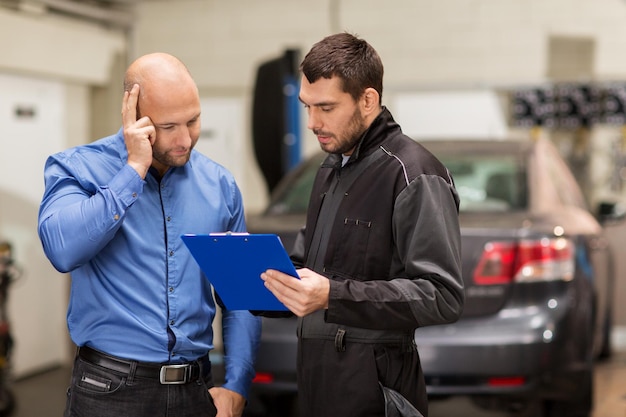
<point x="581" y="406"/>
<point x="283" y="405"/>
<point x="606" y="348"/>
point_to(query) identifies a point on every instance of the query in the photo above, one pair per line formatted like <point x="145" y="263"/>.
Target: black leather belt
<point x="165" y="374"/>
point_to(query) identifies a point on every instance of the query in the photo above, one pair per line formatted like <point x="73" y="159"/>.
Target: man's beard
<point x="351" y="135"/>
<point x="170" y="161"/>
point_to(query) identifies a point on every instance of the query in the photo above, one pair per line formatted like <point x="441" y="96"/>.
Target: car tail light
<point x="547" y="259"/>
<point x="513" y="381"/>
<point x="263" y="378"/>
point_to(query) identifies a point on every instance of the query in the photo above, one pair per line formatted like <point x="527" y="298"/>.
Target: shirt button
<point x="171" y="253"/>
<point x="116" y="217"/>
<point x="171" y="322"/>
<point x="169" y="219"/>
<point x="134" y="195"/>
<point x="171" y="289"/>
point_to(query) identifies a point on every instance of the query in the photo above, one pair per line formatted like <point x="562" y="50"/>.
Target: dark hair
<point x="353" y="60"/>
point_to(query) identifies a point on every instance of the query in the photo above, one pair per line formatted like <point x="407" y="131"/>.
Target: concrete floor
<point x="43" y="395"/>
<point x="610" y="391"/>
<point x="610" y="394"/>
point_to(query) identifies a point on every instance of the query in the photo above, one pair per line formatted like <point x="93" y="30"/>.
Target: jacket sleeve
<point x="425" y="285"/>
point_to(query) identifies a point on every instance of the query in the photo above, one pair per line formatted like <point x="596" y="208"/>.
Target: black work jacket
<point x="393" y="249"/>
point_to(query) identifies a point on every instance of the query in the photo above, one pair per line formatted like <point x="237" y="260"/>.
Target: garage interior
<point x="467" y="68"/>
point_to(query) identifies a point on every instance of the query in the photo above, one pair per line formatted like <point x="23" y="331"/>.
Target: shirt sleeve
<point x="241" y="330"/>
<point x="78" y="218"/>
<point x="241" y="335"/>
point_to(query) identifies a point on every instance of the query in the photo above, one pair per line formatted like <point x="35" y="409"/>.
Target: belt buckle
<point x="174" y="374"/>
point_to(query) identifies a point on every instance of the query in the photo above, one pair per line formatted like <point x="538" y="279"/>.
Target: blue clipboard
<point x="233" y="263"/>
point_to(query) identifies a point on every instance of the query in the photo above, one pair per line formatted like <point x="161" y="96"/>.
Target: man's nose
<point x="183" y="139"/>
<point x="314" y="121"/>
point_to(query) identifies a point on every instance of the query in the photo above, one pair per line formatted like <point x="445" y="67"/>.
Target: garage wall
<point x="32" y="126"/>
<point x="423" y="43"/>
<point x="47" y="46"/>
<point x="48" y="67"/>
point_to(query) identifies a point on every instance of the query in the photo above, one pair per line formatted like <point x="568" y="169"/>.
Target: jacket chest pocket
<point x="351" y="247"/>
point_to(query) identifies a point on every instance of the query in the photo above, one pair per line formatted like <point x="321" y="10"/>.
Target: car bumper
<point x="511" y="352"/>
<point x="516" y="352"/>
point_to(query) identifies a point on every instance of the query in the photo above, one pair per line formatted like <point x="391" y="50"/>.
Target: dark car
<point x="538" y="276"/>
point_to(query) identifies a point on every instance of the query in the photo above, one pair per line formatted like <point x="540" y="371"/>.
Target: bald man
<point x="140" y="309"/>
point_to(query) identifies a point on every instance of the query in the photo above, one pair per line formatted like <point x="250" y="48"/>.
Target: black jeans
<point x="100" y="392"/>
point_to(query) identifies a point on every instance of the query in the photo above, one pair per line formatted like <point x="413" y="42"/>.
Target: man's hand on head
<point x="139" y="134"/>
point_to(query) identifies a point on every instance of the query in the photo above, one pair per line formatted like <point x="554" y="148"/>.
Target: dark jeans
<point x="99" y="392"/>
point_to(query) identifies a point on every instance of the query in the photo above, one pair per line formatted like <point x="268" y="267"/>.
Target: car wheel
<point x="605" y="349"/>
<point x="532" y="408"/>
<point x="580" y="406"/>
<point x="284" y="405"/>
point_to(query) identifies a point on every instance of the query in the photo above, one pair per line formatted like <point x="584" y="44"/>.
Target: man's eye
<point x="326" y="109"/>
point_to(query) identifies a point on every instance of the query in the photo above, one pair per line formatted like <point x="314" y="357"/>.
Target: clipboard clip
<point x="229" y="233"/>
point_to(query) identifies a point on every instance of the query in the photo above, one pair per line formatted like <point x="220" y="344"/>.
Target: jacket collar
<point x="381" y="128"/>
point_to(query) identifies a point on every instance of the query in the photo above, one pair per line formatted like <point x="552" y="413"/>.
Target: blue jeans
<point x="100" y="392"/>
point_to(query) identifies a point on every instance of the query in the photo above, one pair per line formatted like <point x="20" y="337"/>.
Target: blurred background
<point x="460" y="68"/>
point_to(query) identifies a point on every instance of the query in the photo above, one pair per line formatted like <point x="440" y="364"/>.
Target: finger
<point x="149" y="131"/>
<point x="279" y="292"/>
<point x="283" y="292"/>
<point x="129" y="106"/>
<point x="272" y="284"/>
<point x="280" y="277"/>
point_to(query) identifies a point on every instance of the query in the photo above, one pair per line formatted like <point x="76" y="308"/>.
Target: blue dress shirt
<point x="136" y="291"/>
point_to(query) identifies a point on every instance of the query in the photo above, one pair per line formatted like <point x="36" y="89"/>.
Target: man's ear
<point x="370" y="101"/>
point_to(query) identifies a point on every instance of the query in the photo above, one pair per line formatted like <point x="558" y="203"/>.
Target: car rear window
<point x="488" y="183"/>
<point x="485" y="183"/>
<point x="294" y="198"/>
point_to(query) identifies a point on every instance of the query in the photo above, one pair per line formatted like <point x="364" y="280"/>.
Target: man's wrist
<point x="141" y="170"/>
